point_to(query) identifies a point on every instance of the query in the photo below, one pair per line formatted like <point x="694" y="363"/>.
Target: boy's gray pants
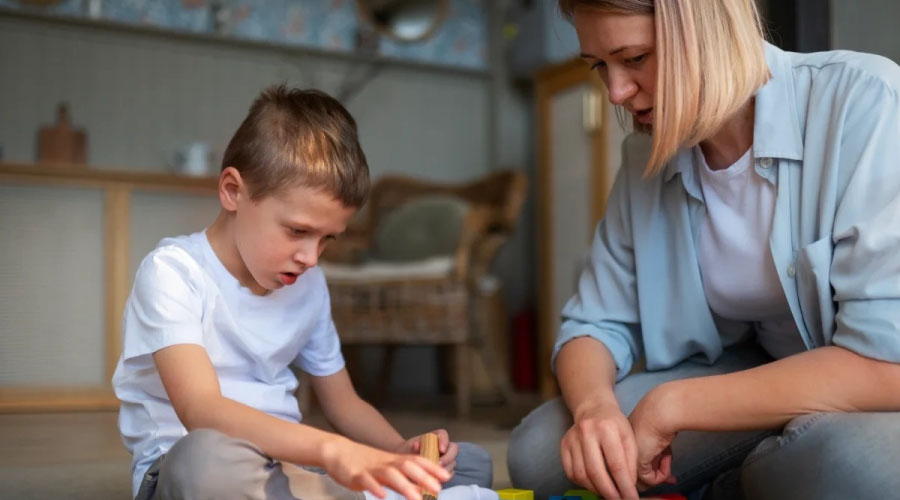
<point x="207" y="464"/>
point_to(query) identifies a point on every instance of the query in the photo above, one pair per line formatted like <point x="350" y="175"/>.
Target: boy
<point x="215" y="319"/>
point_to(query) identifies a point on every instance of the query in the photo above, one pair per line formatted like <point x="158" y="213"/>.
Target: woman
<point x="752" y="258"/>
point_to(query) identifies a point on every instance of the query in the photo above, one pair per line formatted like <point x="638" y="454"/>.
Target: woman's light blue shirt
<point x="827" y="135"/>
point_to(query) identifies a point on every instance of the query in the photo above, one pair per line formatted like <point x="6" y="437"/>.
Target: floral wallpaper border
<point x="461" y="40"/>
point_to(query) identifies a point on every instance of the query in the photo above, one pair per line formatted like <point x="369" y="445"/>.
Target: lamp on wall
<point x="404" y="20"/>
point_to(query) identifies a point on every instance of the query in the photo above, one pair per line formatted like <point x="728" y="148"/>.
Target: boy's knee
<point x="473" y="466"/>
<point x="827" y="455"/>
<point x="208" y="464"/>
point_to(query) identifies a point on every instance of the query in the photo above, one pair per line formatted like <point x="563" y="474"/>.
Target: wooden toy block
<point x="428" y="448"/>
<point x="514" y="494"/>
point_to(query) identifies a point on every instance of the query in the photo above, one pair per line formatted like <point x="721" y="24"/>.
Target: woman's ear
<point x="231" y="188"/>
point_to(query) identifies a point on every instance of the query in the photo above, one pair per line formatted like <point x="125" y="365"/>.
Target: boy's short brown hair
<point x="295" y="137"/>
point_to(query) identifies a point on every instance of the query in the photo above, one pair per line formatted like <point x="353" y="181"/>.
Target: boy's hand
<point x="448" y="449"/>
<point x="360" y="467"/>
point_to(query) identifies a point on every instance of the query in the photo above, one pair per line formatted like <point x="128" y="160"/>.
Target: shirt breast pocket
<point x="813" y="270"/>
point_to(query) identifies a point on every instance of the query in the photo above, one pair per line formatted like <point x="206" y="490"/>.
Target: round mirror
<point x="404" y="20"/>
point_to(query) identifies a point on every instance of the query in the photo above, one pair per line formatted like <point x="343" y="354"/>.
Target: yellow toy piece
<point x="514" y="494"/>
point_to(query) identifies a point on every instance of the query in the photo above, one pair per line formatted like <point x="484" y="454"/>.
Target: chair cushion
<point x="431" y="268"/>
<point x="424" y="227"/>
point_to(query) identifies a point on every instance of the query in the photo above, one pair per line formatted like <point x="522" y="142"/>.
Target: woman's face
<point x="622" y="48"/>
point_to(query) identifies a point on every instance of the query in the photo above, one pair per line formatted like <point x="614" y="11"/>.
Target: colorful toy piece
<point x="583" y="494"/>
<point x="514" y="494"/>
<point x="587" y="495"/>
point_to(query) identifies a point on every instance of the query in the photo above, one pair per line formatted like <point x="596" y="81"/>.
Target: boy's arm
<point x="193" y="388"/>
<point x="351" y="416"/>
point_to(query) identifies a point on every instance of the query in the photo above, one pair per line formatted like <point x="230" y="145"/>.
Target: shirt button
<point x="765" y="162"/>
<point x="791" y="271"/>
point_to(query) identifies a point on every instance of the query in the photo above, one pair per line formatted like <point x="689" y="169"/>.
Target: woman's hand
<point x="360" y="467"/>
<point x="654" y="435"/>
<point x="599" y="452"/>
<point x="448" y="450"/>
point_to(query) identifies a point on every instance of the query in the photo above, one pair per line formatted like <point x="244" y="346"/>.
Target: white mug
<point x="192" y="159"/>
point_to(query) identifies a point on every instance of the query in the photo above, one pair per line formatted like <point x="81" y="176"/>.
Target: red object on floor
<point x="672" y="496"/>
<point x="524" y="345"/>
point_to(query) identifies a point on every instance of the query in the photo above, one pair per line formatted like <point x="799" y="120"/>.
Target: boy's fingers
<point x="451" y="467"/>
<point x="396" y="480"/>
<point x="369" y="483"/>
<point x="420" y="476"/>
<point x="443" y="439"/>
<point x="434" y="469"/>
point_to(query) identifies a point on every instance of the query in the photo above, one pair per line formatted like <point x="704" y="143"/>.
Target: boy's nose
<point x="308" y="256"/>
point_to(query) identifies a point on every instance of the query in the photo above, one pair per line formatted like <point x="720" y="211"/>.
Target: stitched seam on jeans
<point x="741" y="448"/>
<point x="785" y="440"/>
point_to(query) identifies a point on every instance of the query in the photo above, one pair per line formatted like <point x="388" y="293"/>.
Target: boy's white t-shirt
<point x="183" y="294"/>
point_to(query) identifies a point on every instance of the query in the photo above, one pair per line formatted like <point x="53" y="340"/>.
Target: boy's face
<point x="282" y="235"/>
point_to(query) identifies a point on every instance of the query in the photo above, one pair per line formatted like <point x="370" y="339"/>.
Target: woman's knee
<point x="827" y="455"/>
<point x="533" y="455"/>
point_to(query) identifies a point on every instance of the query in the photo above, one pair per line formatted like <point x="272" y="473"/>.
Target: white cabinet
<point x="70" y="241"/>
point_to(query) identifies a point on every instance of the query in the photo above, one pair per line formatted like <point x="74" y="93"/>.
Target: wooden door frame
<point x="549" y="82"/>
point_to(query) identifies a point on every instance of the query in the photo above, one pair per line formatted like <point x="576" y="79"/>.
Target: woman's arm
<point x="587" y="375"/>
<point x="827" y="379"/>
<point x="599" y="450"/>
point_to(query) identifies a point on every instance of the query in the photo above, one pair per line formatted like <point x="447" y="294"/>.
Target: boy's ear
<point x="231" y="188"/>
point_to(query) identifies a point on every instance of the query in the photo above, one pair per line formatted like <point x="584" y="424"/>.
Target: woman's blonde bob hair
<point x="711" y="61"/>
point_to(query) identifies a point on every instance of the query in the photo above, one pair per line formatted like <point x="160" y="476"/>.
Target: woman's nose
<point x="621" y="88"/>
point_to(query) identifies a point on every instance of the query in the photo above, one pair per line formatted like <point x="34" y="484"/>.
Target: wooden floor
<point x="80" y="455"/>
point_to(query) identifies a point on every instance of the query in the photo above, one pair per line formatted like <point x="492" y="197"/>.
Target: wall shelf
<point x="246" y="43"/>
<point x="60" y="173"/>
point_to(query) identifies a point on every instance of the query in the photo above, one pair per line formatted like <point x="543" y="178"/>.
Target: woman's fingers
<point x="601" y="461"/>
<point x="619" y="468"/>
<point x="629" y="446"/>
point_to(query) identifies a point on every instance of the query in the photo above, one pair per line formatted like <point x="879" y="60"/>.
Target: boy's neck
<point x="221" y="238"/>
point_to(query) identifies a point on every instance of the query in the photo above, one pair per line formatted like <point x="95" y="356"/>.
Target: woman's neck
<point x="732" y="140"/>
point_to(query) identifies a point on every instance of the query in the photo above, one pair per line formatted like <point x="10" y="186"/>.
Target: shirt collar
<point x="776" y="128"/>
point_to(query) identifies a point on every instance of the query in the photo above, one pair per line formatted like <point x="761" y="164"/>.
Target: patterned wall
<point x="326" y="24"/>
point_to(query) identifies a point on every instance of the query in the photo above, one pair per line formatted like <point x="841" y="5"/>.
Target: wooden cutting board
<point x="61" y="143"/>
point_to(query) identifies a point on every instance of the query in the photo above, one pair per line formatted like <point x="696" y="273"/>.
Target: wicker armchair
<point x="398" y="299"/>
